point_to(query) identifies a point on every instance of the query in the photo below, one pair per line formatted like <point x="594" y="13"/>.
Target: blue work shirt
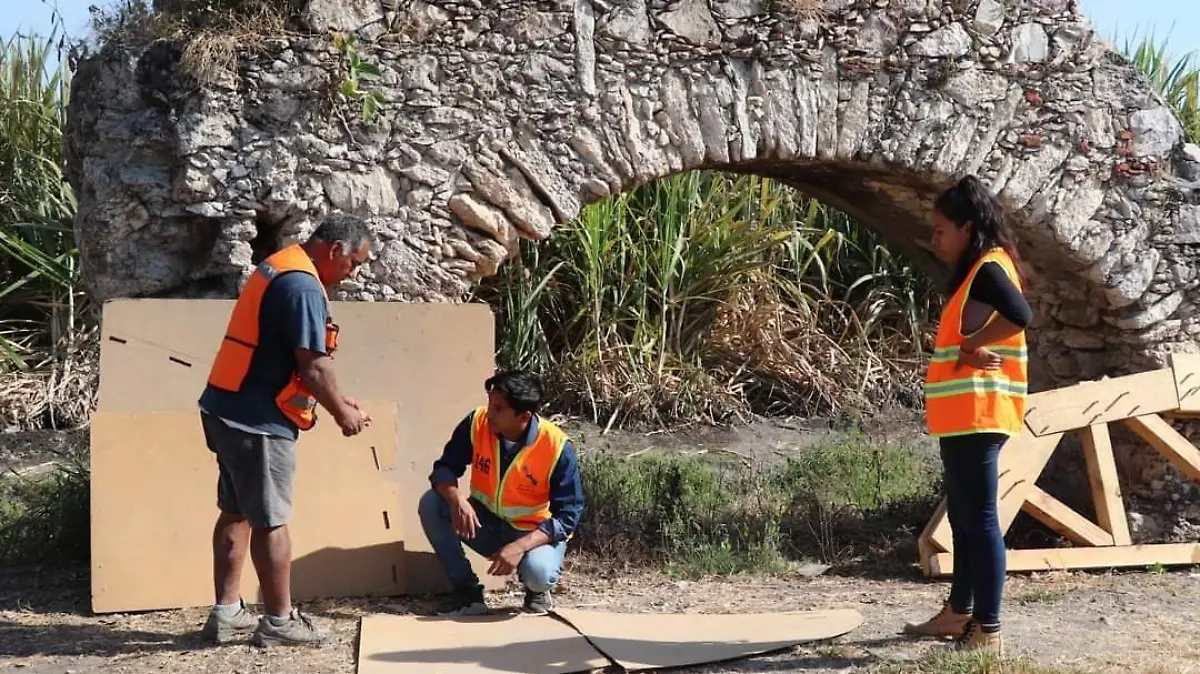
<point x="292" y="316"/>
<point x="566" y="489"/>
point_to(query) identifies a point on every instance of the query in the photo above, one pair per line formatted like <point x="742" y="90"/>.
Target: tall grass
<point x="43" y="311"/>
<point x="708" y="295"/>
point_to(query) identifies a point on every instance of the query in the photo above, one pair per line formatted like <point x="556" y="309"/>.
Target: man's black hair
<point x="522" y="389"/>
<point x="347" y="229"/>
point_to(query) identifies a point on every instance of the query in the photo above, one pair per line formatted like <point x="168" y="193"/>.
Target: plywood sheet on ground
<point x="653" y="640"/>
<point x="153" y="505"/>
<point x="521" y="643"/>
<point x="429" y="358"/>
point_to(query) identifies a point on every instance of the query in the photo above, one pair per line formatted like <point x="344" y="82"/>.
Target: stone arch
<point x="506" y="121"/>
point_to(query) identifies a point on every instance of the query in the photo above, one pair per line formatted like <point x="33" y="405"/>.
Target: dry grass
<point x="58" y="393"/>
<point x="211" y="33"/>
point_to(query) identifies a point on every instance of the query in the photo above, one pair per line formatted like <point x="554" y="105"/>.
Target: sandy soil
<point x="1094" y="622"/>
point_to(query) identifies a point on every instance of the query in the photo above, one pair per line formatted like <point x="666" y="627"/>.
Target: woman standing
<point x="975" y="393"/>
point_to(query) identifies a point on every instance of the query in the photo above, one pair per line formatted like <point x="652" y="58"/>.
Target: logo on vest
<point x="529" y="475"/>
<point x="483" y="465"/>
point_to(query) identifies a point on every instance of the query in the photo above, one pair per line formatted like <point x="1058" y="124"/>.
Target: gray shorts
<point x="255" y="472"/>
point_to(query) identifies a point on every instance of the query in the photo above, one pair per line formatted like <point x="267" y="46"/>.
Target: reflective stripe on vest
<point x="236" y="352"/>
<point x="521" y="496"/>
<point x="969" y="400"/>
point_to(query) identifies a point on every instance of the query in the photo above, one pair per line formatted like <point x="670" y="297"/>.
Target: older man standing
<point x="524" y="502"/>
<point x="272" y="369"/>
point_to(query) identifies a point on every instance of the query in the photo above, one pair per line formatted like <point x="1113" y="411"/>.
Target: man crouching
<point x="525" y="497"/>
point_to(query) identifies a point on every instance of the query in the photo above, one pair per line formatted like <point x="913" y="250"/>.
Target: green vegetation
<point x="706" y="296"/>
<point x="835" y="503"/>
<point x="45" y="519"/>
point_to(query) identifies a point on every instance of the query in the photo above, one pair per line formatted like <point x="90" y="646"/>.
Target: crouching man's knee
<point x="539" y="570"/>
<point x="432" y="507"/>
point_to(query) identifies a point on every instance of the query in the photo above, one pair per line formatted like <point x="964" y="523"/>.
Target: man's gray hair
<point x="349" y="230"/>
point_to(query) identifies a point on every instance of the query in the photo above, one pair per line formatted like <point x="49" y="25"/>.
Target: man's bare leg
<point x="271" y="551"/>
<point x="231" y="538"/>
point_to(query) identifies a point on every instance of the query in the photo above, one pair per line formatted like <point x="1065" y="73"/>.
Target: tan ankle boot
<point x="975" y="640"/>
<point x="946" y="623"/>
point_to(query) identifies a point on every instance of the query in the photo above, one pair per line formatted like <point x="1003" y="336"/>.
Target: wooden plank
<point x="1062" y="519"/>
<point x="937" y="531"/>
<point x="1021" y="462"/>
<point x="1186" y="368"/>
<point x="1163" y="437"/>
<point x="1105" y="483"/>
<point x="1053" y="559"/>
<point x="1101" y="401"/>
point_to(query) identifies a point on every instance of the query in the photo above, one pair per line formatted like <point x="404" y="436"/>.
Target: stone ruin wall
<point x="504" y="119"/>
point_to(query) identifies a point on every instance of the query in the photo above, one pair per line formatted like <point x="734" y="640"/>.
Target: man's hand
<point x="506" y="560"/>
<point x="351" y="402"/>
<point x="463" y="517"/>
<point x="980" y="358"/>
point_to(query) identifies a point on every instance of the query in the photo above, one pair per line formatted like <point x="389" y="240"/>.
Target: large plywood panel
<point x="429" y="358"/>
<point x="153" y="505"/>
<point x="526" y="644"/>
<point x="650" y="640"/>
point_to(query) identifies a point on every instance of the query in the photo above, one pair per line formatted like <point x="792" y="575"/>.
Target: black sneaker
<point x="464" y="601"/>
<point x="538" y="603"/>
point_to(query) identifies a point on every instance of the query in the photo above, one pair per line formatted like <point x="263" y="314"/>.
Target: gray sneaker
<point x="223" y="630"/>
<point x="464" y="601"/>
<point x="297" y="631"/>
<point x="539" y="603"/>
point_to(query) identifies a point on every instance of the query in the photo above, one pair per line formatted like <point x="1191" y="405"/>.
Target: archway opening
<point x="718" y="294"/>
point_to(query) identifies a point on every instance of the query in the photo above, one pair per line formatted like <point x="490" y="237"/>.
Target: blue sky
<point x="1123" y="18"/>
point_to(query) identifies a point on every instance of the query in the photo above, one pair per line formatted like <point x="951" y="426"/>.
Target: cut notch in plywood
<point x="1091" y="407"/>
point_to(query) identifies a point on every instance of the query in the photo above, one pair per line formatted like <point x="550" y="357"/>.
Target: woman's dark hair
<point x="522" y="390"/>
<point x="971" y="201"/>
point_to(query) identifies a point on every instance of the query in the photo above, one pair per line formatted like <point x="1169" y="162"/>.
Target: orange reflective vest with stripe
<point x="232" y="363"/>
<point x="966" y="400"/>
<point x="521" y="496"/>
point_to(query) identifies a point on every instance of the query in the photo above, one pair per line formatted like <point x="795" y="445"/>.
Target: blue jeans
<point x="971" y="476"/>
<point x="538" y="570"/>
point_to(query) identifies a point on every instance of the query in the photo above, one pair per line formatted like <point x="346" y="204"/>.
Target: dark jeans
<point x="971" y="480"/>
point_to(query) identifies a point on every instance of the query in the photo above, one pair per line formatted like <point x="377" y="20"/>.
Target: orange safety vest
<point x="232" y="363"/>
<point x="521" y="496"/>
<point x="970" y="400"/>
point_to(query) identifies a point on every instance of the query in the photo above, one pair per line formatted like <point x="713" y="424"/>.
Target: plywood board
<point x="689" y="639"/>
<point x="1101" y="401"/>
<point x="1186" y="368"/>
<point x="1105" y="483"/>
<point x="153" y="505"/>
<point x="1117" y="556"/>
<point x="527" y="644"/>
<point x="429" y="358"/>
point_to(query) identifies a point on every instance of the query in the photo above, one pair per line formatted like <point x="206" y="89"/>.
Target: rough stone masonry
<point x="503" y="119"/>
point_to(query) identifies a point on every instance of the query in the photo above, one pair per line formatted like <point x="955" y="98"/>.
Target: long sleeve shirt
<point x="566" y="489"/>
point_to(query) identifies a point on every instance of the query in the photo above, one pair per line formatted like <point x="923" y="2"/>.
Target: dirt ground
<point x="1127" y="622"/>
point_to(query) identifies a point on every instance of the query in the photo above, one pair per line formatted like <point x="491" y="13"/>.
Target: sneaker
<point x="297" y="631"/>
<point x="974" y="640"/>
<point x="464" y="601"/>
<point x="946" y="623"/>
<point x="538" y="603"/>
<point x="222" y="630"/>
